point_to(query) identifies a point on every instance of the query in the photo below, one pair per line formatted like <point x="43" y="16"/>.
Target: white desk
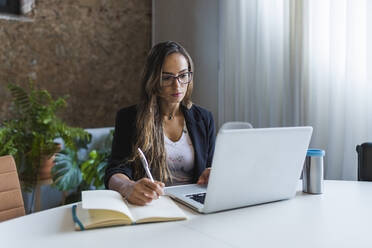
<point x="341" y="217"/>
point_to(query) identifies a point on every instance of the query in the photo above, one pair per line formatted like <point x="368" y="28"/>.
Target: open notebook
<point x="101" y="208"/>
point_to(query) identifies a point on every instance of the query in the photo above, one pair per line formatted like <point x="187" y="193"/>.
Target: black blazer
<point x="201" y="129"/>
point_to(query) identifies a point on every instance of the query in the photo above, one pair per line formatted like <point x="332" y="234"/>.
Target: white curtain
<point x="300" y="62"/>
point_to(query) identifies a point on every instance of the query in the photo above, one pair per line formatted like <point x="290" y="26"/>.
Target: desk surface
<point x="341" y="217"/>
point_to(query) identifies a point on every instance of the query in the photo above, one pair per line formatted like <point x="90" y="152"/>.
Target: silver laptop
<point x="250" y="166"/>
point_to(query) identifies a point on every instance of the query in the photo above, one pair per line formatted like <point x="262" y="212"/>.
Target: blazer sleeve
<point x="211" y="132"/>
<point x="122" y="145"/>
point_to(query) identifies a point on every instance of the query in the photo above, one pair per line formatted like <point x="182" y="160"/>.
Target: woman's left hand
<point x="204" y="177"/>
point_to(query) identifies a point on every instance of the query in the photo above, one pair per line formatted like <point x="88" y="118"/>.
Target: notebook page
<point x="163" y="207"/>
<point x="105" y="199"/>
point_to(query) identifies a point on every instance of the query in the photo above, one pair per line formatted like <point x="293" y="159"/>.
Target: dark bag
<point x="364" y="161"/>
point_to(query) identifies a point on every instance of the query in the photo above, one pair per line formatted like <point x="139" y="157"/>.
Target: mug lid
<point x="315" y="153"/>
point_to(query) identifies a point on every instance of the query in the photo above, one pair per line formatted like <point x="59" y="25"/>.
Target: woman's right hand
<point x="143" y="191"/>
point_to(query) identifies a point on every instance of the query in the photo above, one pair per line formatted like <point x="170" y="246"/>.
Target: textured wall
<point x="92" y="50"/>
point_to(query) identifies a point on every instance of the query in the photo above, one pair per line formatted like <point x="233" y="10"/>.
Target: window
<point x="16" y="9"/>
<point x="10" y="7"/>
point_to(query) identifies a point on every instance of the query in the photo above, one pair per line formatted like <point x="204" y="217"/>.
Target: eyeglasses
<point x="183" y="79"/>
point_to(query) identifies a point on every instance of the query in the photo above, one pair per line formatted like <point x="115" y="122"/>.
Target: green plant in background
<point x="31" y="132"/>
<point x="8" y="145"/>
<point x="66" y="172"/>
<point x="73" y="173"/>
<point x="93" y="169"/>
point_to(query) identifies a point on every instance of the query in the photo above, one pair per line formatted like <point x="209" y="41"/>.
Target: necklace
<point x="170" y="117"/>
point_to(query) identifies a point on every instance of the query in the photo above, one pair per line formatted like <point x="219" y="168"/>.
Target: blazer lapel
<point x="197" y="136"/>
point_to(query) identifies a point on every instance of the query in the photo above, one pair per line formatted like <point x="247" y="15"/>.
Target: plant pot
<point x="46" y="168"/>
<point x="47" y="165"/>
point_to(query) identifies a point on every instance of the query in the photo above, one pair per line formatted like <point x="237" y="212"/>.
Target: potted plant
<point x="31" y="132"/>
<point x="74" y="171"/>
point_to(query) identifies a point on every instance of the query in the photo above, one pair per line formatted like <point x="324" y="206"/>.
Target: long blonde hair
<point x="149" y="125"/>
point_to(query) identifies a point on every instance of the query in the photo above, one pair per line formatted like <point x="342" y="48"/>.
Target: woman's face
<point x="172" y="90"/>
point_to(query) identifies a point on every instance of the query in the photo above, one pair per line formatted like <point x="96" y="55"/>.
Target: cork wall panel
<point x="91" y="50"/>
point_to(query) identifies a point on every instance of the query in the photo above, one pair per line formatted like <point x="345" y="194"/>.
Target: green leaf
<point x="66" y="172"/>
<point x="93" y="154"/>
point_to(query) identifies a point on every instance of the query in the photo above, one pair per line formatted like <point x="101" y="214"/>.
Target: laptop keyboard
<point x="199" y="197"/>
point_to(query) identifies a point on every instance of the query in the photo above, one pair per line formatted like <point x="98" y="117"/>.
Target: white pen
<point x="145" y="164"/>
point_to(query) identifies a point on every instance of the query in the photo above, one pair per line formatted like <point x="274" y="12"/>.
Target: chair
<point x="364" y="161"/>
<point x="236" y="125"/>
<point x="11" y="202"/>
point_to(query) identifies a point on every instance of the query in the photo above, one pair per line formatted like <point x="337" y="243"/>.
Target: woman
<point x="176" y="136"/>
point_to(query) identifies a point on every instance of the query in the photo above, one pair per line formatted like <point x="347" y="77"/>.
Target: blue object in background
<point x="315" y="153"/>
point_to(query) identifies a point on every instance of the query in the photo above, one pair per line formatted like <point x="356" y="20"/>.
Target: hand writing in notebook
<point x="144" y="191"/>
<point x="140" y="192"/>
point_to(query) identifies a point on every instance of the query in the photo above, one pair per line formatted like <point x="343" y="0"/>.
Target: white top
<point x="180" y="158"/>
<point x="341" y="217"/>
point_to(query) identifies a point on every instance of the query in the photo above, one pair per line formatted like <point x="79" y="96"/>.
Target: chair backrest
<point x="11" y="202"/>
<point x="364" y="161"/>
<point x="236" y="125"/>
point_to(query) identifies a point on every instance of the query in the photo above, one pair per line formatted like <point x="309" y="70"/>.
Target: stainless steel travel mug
<point x="312" y="174"/>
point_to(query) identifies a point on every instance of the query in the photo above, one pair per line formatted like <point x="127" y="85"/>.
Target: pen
<point x="145" y="164"/>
